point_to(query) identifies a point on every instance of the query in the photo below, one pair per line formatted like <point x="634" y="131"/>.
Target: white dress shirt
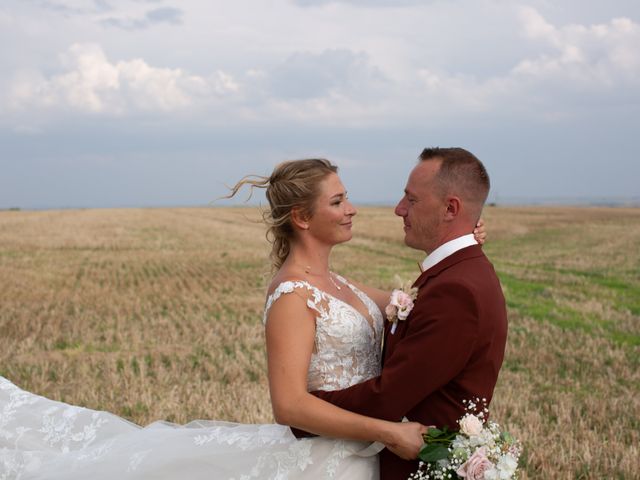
<point x="446" y="249"/>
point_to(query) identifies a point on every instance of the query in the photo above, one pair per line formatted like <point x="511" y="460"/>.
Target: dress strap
<point x="341" y="279"/>
<point x="374" y="311"/>
<point x="289" y="286"/>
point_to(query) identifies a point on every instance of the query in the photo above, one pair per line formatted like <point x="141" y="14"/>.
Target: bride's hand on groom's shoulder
<point x="480" y="232"/>
<point x="406" y="439"/>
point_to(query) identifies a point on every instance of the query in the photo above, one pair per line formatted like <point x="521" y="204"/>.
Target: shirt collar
<point x="446" y="249"/>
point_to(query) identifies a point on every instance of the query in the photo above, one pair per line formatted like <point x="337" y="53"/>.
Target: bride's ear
<point x="298" y="219"/>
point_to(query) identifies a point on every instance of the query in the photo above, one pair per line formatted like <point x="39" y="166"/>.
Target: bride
<point x="322" y="332"/>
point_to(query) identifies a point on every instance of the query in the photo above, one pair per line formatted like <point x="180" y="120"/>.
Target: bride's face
<point x="333" y="212"/>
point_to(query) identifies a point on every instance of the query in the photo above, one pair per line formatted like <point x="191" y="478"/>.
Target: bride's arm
<point x="290" y="333"/>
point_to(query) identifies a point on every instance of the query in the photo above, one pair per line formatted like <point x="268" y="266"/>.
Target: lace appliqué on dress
<point x="347" y="346"/>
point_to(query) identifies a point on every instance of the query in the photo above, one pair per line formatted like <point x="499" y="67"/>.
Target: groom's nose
<point x="401" y="207"/>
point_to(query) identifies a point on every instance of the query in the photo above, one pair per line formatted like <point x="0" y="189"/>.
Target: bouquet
<point x="478" y="451"/>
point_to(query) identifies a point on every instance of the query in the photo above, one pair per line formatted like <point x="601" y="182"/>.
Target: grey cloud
<point x="60" y="8"/>
<point x="124" y="24"/>
<point x="308" y="75"/>
<point x="364" y="3"/>
<point x="99" y="6"/>
<point x="170" y="15"/>
<point x="166" y="15"/>
<point x="103" y="6"/>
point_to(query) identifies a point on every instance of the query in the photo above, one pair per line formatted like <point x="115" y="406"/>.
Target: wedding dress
<point x="45" y="439"/>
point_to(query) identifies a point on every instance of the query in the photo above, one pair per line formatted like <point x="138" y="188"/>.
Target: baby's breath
<point x="490" y="452"/>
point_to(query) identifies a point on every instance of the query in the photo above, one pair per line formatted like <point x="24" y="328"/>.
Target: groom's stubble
<point x="423" y="209"/>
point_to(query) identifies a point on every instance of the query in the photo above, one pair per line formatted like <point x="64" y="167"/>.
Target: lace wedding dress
<point x="45" y="439"/>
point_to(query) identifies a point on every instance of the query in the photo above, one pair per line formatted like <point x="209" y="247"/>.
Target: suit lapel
<point x="456" y="257"/>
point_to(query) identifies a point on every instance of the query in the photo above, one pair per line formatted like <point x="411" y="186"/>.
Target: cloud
<point x="93" y="84"/>
<point x="554" y="71"/>
<point x="60" y="7"/>
<point x="596" y="54"/>
<point x="75" y="7"/>
<point x="168" y="15"/>
<point x="103" y="5"/>
<point x="575" y="68"/>
<point x="313" y="75"/>
<point x="116" y="13"/>
<point x="364" y="3"/>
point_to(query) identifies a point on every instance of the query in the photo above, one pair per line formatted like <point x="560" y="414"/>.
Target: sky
<point x="114" y="103"/>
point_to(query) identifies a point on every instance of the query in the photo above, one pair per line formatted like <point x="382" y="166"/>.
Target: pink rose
<point x="394" y="298"/>
<point x="403" y="301"/>
<point x="476" y="465"/>
<point x="400" y="305"/>
<point x="470" y="425"/>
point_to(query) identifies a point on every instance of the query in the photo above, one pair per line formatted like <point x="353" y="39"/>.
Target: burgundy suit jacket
<point x="449" y="349"/>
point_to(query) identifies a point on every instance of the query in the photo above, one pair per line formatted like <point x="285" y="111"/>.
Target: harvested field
<point x="157" y="314"/>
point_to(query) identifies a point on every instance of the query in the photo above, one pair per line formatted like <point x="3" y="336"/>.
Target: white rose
<point x="507" y="466"/>
<point x="403" y="313"/>
<point x="491" y="474"/>
<point x="470" y="425"/>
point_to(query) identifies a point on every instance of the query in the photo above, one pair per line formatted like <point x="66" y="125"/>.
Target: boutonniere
<point x="400" y="305"/>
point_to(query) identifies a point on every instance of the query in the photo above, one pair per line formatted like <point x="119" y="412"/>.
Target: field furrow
<point x="157" y="314"/>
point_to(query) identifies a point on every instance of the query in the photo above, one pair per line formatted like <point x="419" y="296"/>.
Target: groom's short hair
<point x="461" y="173"/>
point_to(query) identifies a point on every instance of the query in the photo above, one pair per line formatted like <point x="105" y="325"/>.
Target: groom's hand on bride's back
<point x="406" y="439"/>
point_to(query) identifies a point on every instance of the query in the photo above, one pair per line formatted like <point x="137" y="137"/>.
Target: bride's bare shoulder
<point x="284" y="277"/>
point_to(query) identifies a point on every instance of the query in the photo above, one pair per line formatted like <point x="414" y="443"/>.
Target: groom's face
<point x="421" y="208"/>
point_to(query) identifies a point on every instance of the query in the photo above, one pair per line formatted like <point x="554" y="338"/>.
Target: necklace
<point x="333" y="281"/>
<point x="307" y="270"/>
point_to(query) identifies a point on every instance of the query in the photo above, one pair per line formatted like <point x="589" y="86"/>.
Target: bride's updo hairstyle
<point x="294" y="183"/>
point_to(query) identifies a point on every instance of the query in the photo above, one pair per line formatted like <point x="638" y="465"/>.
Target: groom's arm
<point x="437" y="345"/>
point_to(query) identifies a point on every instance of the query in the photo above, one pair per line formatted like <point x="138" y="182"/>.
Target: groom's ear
<point x="454" y="205"/>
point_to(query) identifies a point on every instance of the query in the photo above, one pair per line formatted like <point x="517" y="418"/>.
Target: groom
<point x="451" y="346"/>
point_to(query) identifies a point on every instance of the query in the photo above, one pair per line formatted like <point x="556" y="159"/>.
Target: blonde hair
<point x="292" y="184"/>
